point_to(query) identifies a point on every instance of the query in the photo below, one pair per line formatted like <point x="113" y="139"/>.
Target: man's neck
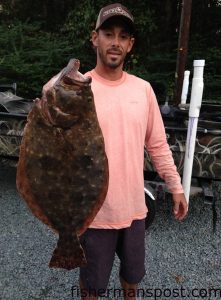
<point x="109" y="73"/>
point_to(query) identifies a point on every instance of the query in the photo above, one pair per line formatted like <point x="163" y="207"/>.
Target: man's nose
<point x="116" y="41"/>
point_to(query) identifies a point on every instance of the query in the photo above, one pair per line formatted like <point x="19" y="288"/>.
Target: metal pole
<point x="182" y="48"/>
<point x="194" y="111"/>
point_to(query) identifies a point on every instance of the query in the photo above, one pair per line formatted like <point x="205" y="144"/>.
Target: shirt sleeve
<point x="158" y="148"/>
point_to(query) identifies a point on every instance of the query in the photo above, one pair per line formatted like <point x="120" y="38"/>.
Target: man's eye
<point x="124" y="36"/>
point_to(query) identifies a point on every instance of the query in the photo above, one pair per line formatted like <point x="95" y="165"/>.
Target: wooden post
<point x="182" y="49"/>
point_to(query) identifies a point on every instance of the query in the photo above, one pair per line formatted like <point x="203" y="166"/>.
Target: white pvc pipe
<point x="185" y="87"/>
<point x="195" y="105"/>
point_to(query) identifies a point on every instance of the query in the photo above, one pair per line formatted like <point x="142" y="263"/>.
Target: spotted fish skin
<point x="62" y="171"/>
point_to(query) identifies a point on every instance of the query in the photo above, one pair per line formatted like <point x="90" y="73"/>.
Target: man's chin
<point x="113" y="64"/>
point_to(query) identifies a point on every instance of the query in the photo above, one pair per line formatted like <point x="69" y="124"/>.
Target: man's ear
<point x="132" y="40"/>
<point x="94" y="36"/>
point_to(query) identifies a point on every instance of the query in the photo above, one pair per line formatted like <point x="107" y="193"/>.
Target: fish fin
<point x="68" y="254"/>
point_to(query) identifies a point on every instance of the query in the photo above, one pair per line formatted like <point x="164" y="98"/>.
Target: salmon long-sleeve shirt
<point x="129" y="117"/>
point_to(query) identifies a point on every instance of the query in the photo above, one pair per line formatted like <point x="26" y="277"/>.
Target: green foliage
<point x="38" y="38"/>
<point x="78" y="26"/>
<point x="212" y="75"/>
<point x="30" y="56"/>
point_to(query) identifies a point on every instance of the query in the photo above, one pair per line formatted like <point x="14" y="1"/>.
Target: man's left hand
<point x="180" y="206"/>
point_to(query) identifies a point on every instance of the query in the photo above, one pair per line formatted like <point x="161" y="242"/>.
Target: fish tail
<point x="68" y="254"/>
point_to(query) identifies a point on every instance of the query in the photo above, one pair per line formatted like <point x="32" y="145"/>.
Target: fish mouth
<point x="71" y="72"/>
<point x="77" y="81"/>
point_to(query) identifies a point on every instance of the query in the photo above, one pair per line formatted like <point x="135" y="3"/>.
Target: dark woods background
<point x="37" y="38"/>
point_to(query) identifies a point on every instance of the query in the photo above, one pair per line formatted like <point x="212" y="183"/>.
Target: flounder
<point x="62" y="172"/>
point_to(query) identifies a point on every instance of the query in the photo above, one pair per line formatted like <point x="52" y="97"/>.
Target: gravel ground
<point x="182" y="258"/>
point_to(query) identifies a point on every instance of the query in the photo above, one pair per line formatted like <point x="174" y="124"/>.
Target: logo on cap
<point x="117" y="10"/>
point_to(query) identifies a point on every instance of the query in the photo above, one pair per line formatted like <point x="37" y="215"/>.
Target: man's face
<point x="112" y="42"/>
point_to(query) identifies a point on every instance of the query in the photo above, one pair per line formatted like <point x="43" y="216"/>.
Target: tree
<point x="38" y="37"/>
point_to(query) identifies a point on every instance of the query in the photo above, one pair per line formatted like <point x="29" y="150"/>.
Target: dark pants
<point x="100" y="246"/>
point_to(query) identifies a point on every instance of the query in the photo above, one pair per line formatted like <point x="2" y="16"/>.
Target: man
<point x="129" y="117"/>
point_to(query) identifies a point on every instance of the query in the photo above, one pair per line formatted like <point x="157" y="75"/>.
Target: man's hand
<point x="180" y="206"/>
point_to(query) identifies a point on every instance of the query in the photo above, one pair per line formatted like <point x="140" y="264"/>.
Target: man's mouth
<point x="114" y="53"/>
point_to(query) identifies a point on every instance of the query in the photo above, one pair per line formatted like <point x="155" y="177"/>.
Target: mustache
<point x="115" y="50"/>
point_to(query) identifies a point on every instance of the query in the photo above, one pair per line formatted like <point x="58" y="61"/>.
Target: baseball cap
<point x="115" y="10"/>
